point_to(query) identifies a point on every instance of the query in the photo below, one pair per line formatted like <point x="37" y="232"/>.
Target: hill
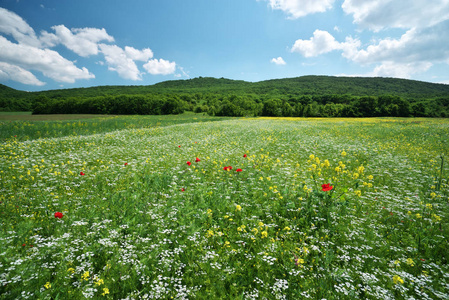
<point x="204" y="92"/>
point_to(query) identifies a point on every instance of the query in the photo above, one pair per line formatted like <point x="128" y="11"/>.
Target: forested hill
<point x="343" y="96"/>
<point x="305" y="85"/>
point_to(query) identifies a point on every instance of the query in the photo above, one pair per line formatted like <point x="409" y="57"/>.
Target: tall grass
<point x="311" y="208"/>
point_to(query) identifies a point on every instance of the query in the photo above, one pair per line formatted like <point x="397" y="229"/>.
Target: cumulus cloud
<point x="14" y="25"/>
<point x="301" y="8"/>
<point x="414" y="52"/>
<point x="47" y="61"/>
<point x="141" y="55"/>
<point x="16" y="73"/>
<point x="160" y="67"/>
<point x="323" y="42"/>
<point x="278" y="61"/>
<point x="82" y="41"/>
<point x="379" y="14"/>
<point x="118" y="61"/>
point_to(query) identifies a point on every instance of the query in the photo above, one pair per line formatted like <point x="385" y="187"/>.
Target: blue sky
<point x="52" y="44"/>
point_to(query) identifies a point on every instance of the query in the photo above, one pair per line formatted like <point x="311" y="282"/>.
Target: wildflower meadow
<point x="260" y="208"/>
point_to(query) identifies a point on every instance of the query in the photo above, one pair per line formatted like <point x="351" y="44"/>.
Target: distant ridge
<point x="304" y="85"/>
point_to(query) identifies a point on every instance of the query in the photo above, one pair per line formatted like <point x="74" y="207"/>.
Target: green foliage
<point x="307" y="96"/>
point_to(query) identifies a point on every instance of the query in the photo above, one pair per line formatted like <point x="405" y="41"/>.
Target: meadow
<point x="196" y="207"/>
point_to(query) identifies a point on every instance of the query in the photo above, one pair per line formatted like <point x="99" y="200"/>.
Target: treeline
<point x="246" y="105"/>
<point x="116" y="105"/>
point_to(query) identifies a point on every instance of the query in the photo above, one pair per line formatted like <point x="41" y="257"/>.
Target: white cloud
<point x="379" y="14"/>
<point x="323" y="42"/>
<point x="301" y="8"/>
<point x="160" y="67"/>
<point x="16" y="73"/>
<point x="47" y="61"/>
<point x="141" y="55"/>
<point x="118" y="61"/>
<point x="82" y="41"/>
<point x="278" y="61"/>
<point x="13" y="25"/>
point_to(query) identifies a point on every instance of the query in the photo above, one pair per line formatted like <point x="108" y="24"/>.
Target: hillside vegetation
<point x="308" y="96"/>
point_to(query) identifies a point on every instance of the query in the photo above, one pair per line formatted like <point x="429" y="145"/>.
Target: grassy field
<point x="180" y="208"/>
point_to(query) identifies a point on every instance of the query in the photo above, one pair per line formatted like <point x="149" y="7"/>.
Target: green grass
<point x="142" y="223"/>
<point x="22" y="127"/>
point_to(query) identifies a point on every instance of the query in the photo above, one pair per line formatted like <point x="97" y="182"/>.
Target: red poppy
<point x="58" y="215"/>
<point x="326" y="187"/>
<point x="23" y="245"/>
<point x="244" y="155"/>
<point x="189" y="163"/>
<point x="229" y="168"/>
<point x="183" y="190"/>
<point x="82" y="173"/>
<point x="179" y="146"/>
<point x="197" y="159"/>
<point x="126" y="164"/>
<point x="239" y="170"/>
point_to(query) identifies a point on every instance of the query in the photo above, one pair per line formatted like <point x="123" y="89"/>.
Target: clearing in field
<point x="135" y="208"/>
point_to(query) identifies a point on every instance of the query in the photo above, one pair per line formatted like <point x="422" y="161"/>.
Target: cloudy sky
<point x="51" y="44"/>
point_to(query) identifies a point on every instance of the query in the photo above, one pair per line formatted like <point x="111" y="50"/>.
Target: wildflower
<point x="418" y="216"/>
<point x="23" y="245"/>
<point x="82" y="173"/>
<point x="228" y="168"/>
<point x="58" y="215"/>
<point x="410" y="262"/>
<point x="183" y="190"/>
<point x="239" y="170"/>
<point x="47" y="285"/>
<point x="105" y="291"/>
<point x="189" y="163"/>
<point x="264" y="234"/>
<point x="99" y="282"/>
<point x="397" y="279"/>
<point x="311" y="157"/>
<point x="255" y="230"/>
<point x="71" y="270"/>
<point x="238" y="208"/>
<point x="287" y="228"/>
<point x="244" y="155"/>
<point x="126" y="164"/>
<point x="343" y="153"/>
<point x="179" y="146"/>
<point x="370" y="177"/>
<point x="432" y="195"/>
<point x="85" y="276"/>
<point x="326" y="187"/>
<point x="209" y="233"/>
<point x="197" y="160"/>
<point x="299" y="261"/>
<point x="358" y="193"/>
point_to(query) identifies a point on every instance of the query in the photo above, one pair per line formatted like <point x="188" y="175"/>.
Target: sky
<point x="54" y="44"/>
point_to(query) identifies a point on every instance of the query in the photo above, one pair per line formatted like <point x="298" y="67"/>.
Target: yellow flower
<point x="99" y="282"/>
<point x="47" y="285"/>
<point x="71" y="270"/>
<point x="85" y="276"/>
<point x="287" y="228"/>
<point x="327" y="163"/>
<point x="397" y="279"/>
<point x="418" y="216"/>
<point x="209" y="233"/>
<point x="432" y="195"/>
<point x="343" y="153"/>
<point x="311" y="157"/>
<point x="255" y="230"/>
<point x="264" y="234"/>
<point x="238" y="208"/>
<point x="370" y="177"/>
<point x="355" y="175"/>
<point x="358" y="193"/>
<point x="105" y="291"/>
<point x="410" y="262"/>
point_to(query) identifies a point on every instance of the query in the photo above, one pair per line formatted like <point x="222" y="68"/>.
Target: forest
<point x="306" y="96"/>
